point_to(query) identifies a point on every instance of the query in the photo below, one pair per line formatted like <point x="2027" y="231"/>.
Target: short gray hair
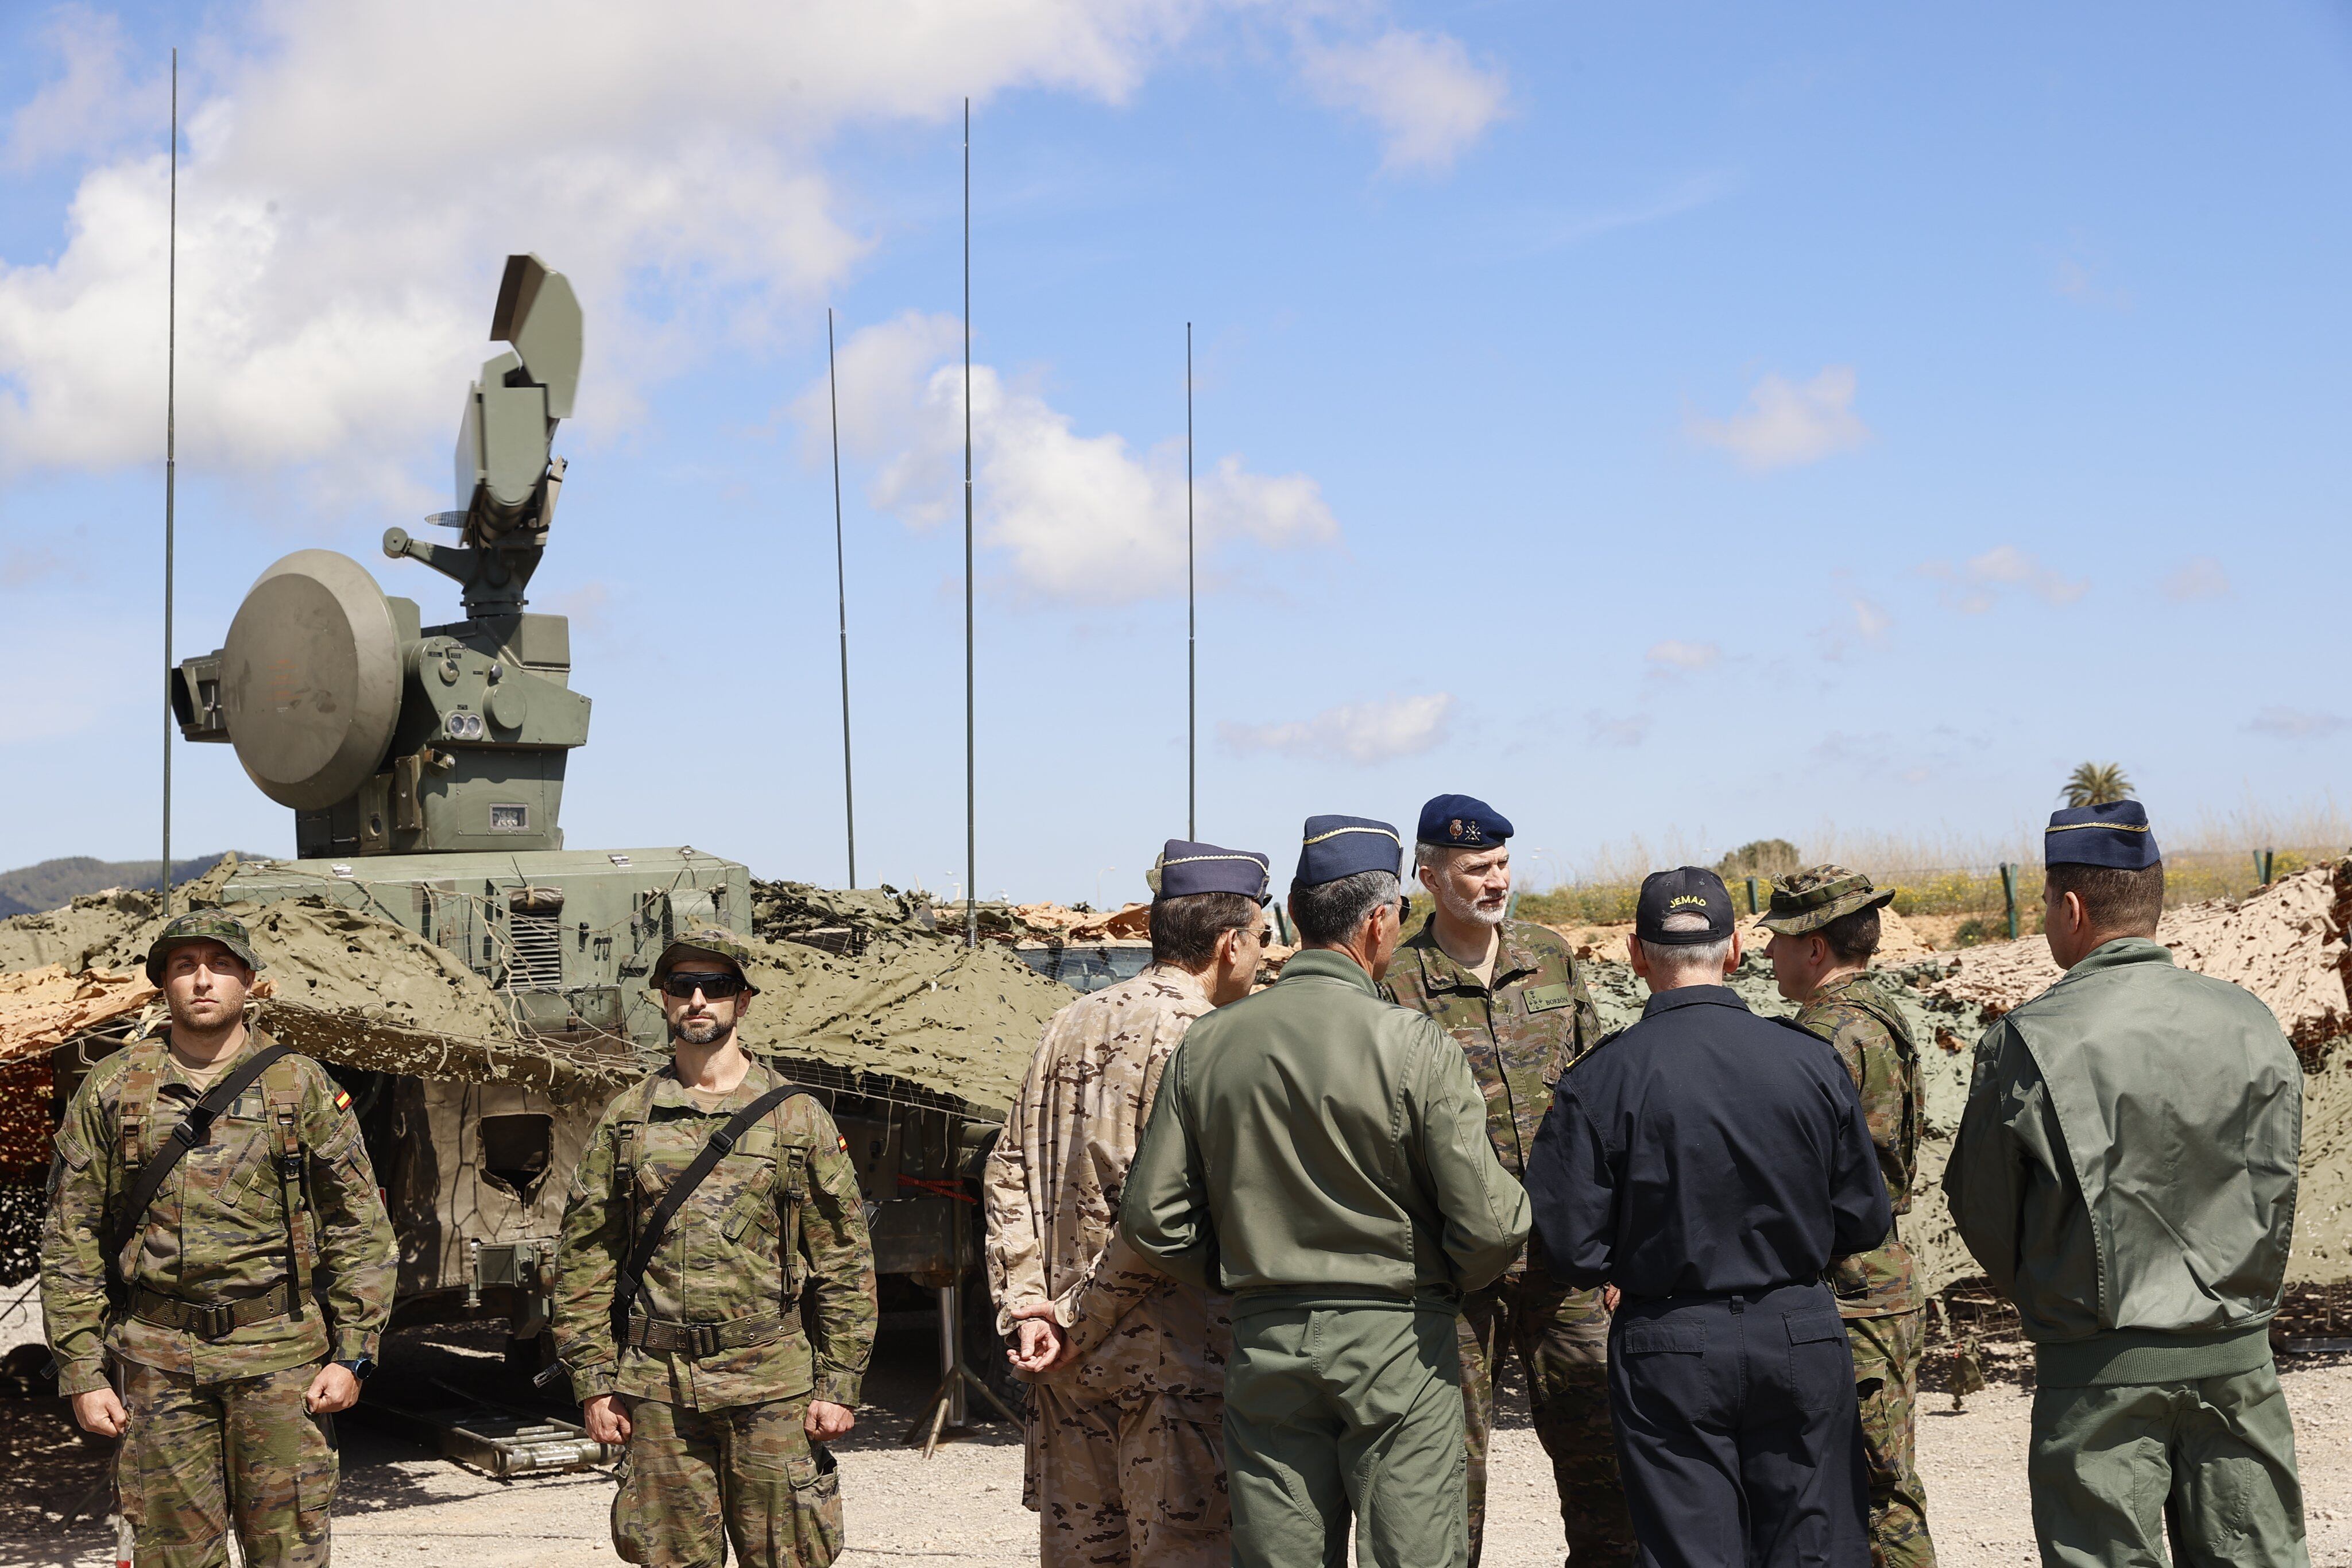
<point x="1673" y="958"/>
<point x="1425" y="853"/>
<point x="1329" y="913"/>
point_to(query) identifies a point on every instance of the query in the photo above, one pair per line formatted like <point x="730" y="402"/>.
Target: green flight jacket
<point x="2125" y="1170"/>
<point x="1315" y="1140"/>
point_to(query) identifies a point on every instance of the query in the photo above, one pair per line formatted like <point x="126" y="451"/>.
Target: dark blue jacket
<point x="1705" y="1150"/>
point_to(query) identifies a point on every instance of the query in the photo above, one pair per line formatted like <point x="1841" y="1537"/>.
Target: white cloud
<point x="1078" y="517"/>
<point x="1680" y="656"/>
<point x="2296" y="724"/>
<point x="1975" y="586"/>
<point x="1362" y="733"/>
<point x="2199" y="577"/>
<point x="353" y="176"/>
<point x="1605" y="729"/>
<point x="1429" y="100"/>
<point x="1787" y="424"/>
<point x="1871" y="621"/>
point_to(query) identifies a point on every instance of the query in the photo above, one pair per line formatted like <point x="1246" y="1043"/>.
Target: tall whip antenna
<point x="970" y="815"/>
<point x="1191" y="638"/>
<point x="841" y="599"/>
<point x="171" y="459"/>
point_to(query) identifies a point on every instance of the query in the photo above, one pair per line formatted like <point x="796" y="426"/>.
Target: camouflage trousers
<point x="1128" y="1481"/>
<point x="1886" y="1354"/>
<point x="200" y="1459"/>
<point x="1561" y="1337"/>
<point x="746" y="1471"/>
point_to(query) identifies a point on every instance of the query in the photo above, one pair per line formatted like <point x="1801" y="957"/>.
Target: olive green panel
<point x="540" y="315"/>
<point x="310" y="679"/>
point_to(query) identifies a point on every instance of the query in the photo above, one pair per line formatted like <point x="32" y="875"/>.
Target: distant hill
<point x="52" y="885"/>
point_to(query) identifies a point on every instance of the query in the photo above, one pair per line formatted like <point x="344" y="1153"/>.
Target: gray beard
<point x="1467" y="909"/>
<point x="705" y="1033"/>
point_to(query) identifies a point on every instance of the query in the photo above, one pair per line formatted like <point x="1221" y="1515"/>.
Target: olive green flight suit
<point x="1519" y="1034"/>
<point x="1326" y="1151"/>
<point x="717" y="1370"/>
<point x="2126" y="1172"/>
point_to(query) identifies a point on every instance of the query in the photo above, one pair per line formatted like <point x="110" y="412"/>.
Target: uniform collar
<point x="2120" y="952"/>
<point x="1183" y="979"/>
<point x="1327" y="964"/>
<point x="1691" y="996"/>
<point x="173" y="1072"/>
<point x="669" y="1090"/>
<point x="1853" y="979"/>
<point x="1441" y="972"/>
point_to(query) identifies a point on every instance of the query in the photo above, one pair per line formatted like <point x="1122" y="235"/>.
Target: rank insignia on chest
<point x="1544" y="998"/>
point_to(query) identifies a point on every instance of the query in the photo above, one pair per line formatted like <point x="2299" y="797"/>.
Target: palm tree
<point x="2097" y="784"/>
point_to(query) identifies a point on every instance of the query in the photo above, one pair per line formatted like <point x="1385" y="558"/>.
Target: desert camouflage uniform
<point x="1519" y="1037"/>
<point x="1879" y="1292"/>
<point x="717" y="1440"/>
<point x="1126" y="1444"/>
<point x="218" y="1440"/>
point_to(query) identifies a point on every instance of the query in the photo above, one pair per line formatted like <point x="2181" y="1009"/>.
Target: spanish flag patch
<point x="844" y="1145"/>
<point x="342" y="1099"/>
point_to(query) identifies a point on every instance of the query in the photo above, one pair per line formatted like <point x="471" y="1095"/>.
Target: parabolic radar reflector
<point x="310" y="679"/>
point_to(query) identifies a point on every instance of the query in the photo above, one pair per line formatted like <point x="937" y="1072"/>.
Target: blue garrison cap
<point x="1463" y="821"/>
<point x="2115" y="834"/>
<point x="1342" y="846"/>
<point x="1187" y="868"/>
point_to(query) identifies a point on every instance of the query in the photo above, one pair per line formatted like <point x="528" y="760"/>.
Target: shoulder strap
<point x="649" y="1239"/>
<point x="191" y="1132"/>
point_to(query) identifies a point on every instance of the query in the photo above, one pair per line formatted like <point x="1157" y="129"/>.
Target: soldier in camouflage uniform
<point x="714" y="1384"/>
<point x="1126" y="1440"/>
<point x="1825" y="924"/>
<point x="227" y="1369"/>
<point x="1509" y="994"/>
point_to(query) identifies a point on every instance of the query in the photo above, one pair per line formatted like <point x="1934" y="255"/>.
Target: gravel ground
<point x="962" y="1506"/>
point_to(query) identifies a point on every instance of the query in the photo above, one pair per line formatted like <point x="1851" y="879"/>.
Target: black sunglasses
<point x="715" y="987"/>
<point x="1404" y="908"/>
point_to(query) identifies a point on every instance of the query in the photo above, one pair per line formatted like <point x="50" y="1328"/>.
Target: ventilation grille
<point x="537" y="952"/>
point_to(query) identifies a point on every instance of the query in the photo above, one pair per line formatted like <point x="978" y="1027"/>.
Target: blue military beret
<point x="1461" y="821"/>
<point x="1187" y="868"/>
<point x="1342" y="846"/>
<point x="2115" y="834"/>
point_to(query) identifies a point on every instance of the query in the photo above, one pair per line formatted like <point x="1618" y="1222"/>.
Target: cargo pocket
<point x="1188" y="1471"/>
<point x="1821" y="1367"/>
<point x="316" y="1476"/>
<point x="816" y="1506"/>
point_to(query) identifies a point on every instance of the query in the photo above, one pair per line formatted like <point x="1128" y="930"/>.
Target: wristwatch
<point x="360" y="1369"/>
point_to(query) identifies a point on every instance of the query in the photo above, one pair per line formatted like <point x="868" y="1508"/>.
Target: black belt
<point x="1744" y="1295"/>
<point x="700" y="1340"/>
<point x="208" y="1320"/>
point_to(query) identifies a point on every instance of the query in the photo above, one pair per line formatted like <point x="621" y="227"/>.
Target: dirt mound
<point x="2284" y="943"/>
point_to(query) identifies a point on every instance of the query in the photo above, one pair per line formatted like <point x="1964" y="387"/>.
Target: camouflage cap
<point x="1810" y="899"/>
<point x="708" y="942"/>
<point x="201" y="925"/>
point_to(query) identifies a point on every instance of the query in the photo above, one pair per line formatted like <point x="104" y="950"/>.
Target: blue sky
<point x="1687" y="423"/>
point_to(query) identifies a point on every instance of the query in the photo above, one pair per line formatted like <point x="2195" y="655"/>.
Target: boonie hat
<point x="1335" y="847"/>
<point x="2115" y="834"/>
<point x="1685" y="890"/>
<point x="1186" y="868"/>
<point x="1461" y="821"/>
<point x="708" y="942"/>
<point x="1810" y="899"/>
<point x="201" y="925"/>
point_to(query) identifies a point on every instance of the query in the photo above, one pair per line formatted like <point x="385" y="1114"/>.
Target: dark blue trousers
<point x="1737" y="1432"/>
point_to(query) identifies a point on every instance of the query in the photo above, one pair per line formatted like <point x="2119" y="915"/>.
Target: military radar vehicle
<point x="425" y="768"/>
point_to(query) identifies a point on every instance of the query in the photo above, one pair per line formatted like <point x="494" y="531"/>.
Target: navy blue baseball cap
<point x="1685" y="890"/>
<point x="1343" y="846"/>
<point x="1187" y="868"/>
<point x="1461" y="821"/>
<point x="2115" y="834"/>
